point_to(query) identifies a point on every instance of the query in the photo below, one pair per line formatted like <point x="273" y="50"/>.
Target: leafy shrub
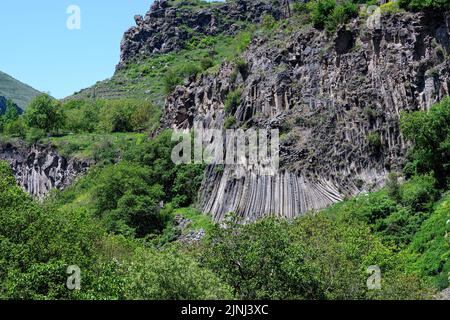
<point x="171" y="276"/>
<point x="128" y="201"/>
<point x="229" y="122"/>
<point x="419" y="193"/>
<point x="33" y="135"/>
<point x="393" y="187"/>
<point x="374" y="140"/>
<point x="419" y="5"/>
<point x="171" y="80"/>
<point x="391" y="7"/>
<point x="179" y="182"/>
<point x="242" y="67"/>
<point x="175" y="77"/>
<point x="313" y="257"/>
<point x="16" y="128"/>
<point x="340" y="15"/>
<point x="299" y="8"/>
<point x="206" y="63"/>
<point x="320" y="11"/>
<point x="232" y="101"/>
<point x="431" y="246"/>
<point x="81" y="116"/>
<point x="45" y="113"/>
<point x="430" y="133"/>
<point x="268" y="22"/>
<point x="38" y="243"/>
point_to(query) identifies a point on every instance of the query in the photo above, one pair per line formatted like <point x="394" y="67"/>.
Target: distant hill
<point x="15" y="90"/>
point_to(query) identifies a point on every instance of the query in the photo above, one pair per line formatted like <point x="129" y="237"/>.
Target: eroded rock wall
<point x="167" y="26"/>
<point x="38" y="169"/>
<point x="327" y="95"/>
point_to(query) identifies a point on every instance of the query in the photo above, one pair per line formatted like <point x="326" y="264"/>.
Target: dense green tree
<point x="45" y="113"/>
<point x="128" y="201"/>
<point x="430" y="133"/>
<point x="81" y="116"/>
<point x="314" y="257"/>
<point x="11" y="111"/>
<point x="179" y="182"/>
<point x="171" y="275"/>
<point x="38" y="243"/>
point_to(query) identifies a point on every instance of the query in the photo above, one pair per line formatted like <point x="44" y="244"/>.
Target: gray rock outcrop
<point x="167" y="26"/>
<point x="39" y="169"/>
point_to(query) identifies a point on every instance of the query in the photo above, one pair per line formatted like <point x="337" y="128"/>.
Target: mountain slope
<point x="15" y="90"/>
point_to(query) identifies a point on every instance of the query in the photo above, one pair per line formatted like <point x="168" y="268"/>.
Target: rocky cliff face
<point x="38" y="169"/>
<point x="167" y="26"/>
<point x="337" y="101"/>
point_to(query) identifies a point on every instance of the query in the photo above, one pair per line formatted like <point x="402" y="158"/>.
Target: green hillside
<point x="15" y="90"/>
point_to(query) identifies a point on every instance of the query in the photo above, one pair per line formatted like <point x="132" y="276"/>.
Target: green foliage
<point x="341" y="14"/>
<point x="179" y="182"/>
<point x="198" y="219"/>
<point x="232" y="101"/>
<point x="34" y="135"/>
<point x="393" y="187"/>
<point x="229" y="122"/>
<point x="171" y="276"/>
<point x="45" y="113"/>
<point x="394" y="218"/>
<point x="127" y="196"/>
<point x="299" y="8"/>
<point x="38" y="243"/>
<point x="320" y="11"/>
<point x="128" y="201"/>
<point x="329" y="14"/>
<point x="431" y="246"/>
<point x="101" y="147"/>
<point x="11" y="112"/>
<point x="268" y="22"/>
<point x="392" y="7"/>
<point x="374" y="141"/>
<point x="311" y="258"/>
<point x="424" y="5"/>
<point x="430" y="133"/>
<point x="81" y="116"/>
<point x="16" y="128"/>
<point x="419" y="193"/>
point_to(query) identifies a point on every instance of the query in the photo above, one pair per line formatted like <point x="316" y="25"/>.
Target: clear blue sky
<point x="38" y="49"/>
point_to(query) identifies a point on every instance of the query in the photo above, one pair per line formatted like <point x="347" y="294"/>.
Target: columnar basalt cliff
<point x="39" y="169"/>
<point x="337" y="101"/>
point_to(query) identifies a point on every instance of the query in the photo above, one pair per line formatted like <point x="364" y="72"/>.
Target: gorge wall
<point x="337" y="101"/>
<point x="167" y="26"/>
<point x="39" y="168"/>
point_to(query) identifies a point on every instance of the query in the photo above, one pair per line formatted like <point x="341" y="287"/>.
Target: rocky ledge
<point x="39" y="169"/>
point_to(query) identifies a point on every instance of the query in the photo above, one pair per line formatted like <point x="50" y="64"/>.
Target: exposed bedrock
<point x="38" y="169"/>
<point x="327" y="95"/>
<point x="166" y="27"/>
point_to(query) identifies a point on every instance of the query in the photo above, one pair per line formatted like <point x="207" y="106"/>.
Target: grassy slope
<point x="145" y="79"/>
<point x="15" y="90"/>
<point x="85" y="146"/>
